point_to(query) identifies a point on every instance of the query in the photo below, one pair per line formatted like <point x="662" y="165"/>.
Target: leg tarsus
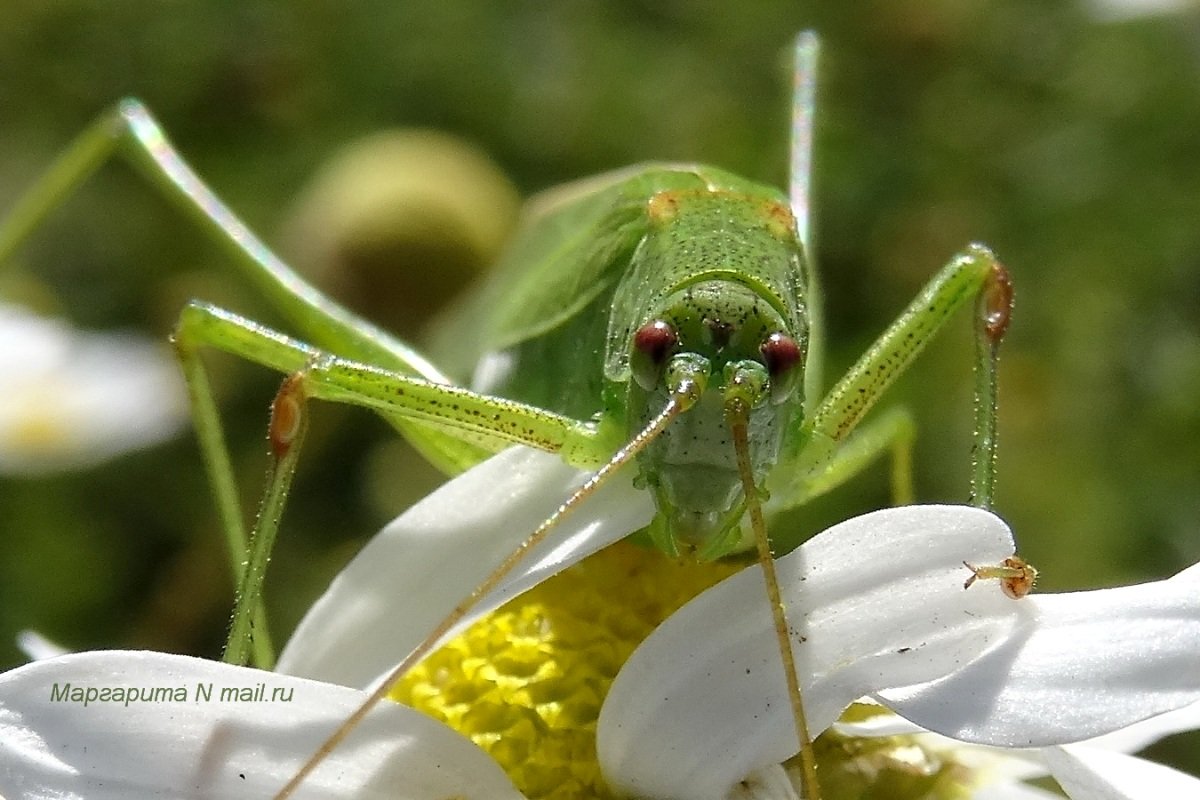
<point x="993" y="311"/>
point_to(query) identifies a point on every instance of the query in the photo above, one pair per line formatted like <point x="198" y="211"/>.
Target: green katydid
<point x="677" y="306"/>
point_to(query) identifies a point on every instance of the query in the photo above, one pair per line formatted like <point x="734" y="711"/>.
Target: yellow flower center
<point x="526" y="682"/>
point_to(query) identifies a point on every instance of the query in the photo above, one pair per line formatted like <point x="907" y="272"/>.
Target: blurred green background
<point x="1068" y="144"/>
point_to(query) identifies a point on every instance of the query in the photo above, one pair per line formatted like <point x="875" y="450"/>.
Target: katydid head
<point x="714" y="296"/>
<point x="721" y="337"/>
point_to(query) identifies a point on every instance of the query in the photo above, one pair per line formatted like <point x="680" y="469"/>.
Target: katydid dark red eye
<point x="655" y="340"/>
<point x="782" y="355"/>
<point x="653" y="344"/>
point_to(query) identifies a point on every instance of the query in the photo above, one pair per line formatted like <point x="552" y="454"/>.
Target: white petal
<point x="412" y="574"/>
<point x="1080" y="665"/>
<point x="184" y="745"/>
<point x="872" y="602"/>
<point x="1089" y="773"/>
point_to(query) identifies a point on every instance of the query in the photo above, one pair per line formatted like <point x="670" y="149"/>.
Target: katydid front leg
<point x="825" y="462"/>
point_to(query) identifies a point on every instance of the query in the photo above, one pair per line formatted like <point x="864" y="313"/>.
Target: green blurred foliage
<point x="1066" y="144"/>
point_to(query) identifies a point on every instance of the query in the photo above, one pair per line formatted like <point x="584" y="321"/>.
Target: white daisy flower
<point x="877" y="609"/>
<point x="70" y="399"/>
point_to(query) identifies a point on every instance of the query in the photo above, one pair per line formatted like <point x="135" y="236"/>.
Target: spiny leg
<point x="975" y="273"/>
<point x="687" y="384"/>
<point x="285" y="433"/>
<point x="217" y="464"/>
<point x="993" y="311"/>
<point x="459" y="411"/>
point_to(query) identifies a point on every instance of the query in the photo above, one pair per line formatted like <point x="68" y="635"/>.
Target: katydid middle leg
<point x="891" y="433"/>
<point x="393" y="394"/>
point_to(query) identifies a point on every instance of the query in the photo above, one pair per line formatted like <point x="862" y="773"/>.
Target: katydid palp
<point x="661" y="315"/>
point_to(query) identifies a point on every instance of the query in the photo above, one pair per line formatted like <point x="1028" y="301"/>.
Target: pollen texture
<point x="526" y="682"/>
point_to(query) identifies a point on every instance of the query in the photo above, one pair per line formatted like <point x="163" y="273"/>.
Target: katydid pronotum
<point x="679" y="306"/>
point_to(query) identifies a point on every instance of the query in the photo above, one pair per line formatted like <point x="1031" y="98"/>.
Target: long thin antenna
<point x="681" y="400"/>
<point x="737" y="414"/>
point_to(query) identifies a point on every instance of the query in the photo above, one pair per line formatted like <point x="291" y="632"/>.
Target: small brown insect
<point x="1016" y="576"/>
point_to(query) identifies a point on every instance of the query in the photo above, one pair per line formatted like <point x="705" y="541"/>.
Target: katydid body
<point x="693" y="272"/>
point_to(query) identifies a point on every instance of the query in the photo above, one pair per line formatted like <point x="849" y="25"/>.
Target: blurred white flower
<point x="70" y="399"/>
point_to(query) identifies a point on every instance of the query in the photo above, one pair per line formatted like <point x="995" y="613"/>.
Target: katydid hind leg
<point x="128" y="131"/>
